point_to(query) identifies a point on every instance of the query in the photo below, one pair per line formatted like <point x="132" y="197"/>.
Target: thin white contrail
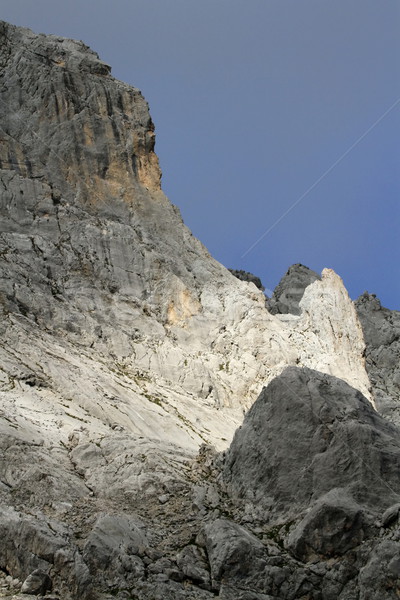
<point x="321" y="177"/>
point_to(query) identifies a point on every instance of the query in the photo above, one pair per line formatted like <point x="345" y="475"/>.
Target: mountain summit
<point x="129" y="356"/>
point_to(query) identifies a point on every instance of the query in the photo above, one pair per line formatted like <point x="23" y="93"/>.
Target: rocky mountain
<point x="129" y="357"/>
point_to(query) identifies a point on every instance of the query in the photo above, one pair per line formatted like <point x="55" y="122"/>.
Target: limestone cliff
<point x="124" y="346"/>
<point x="106" y="295"/>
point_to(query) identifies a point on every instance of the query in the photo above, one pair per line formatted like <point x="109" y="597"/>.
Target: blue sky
<point x="253" y="102"/>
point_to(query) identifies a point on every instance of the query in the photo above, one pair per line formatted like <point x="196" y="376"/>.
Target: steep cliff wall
<point x="124" y="346"/>
<point x="99" y="274"/>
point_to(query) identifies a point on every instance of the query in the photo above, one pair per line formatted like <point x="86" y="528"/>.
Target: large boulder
<point x="307" y="434"/>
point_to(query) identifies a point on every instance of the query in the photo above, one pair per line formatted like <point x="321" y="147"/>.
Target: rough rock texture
<point x="113" y="314"/>
<point x="124" y="346"/>
<point x="315" y="468"/>
<point x="381" y="328"/>
<point x="339" y="442"/>
<point x="290" y="290"/>
<point x="246" y="276"/>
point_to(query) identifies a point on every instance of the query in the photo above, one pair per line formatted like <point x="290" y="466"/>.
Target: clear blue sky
<point x="253" y="101"/>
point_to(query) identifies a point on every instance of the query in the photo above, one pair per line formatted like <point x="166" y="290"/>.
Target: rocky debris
<point x="289" y="291"/>
<point x="381" y="328"/>
<point x="8" y="585"/>
<point x="304" y="504"/>
<point x="36" y="549"/>
<point x="246" y="276"/>
<point x="193" y="562"/>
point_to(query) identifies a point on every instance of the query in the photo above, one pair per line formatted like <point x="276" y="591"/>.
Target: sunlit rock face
<point x="97" y="264"/>
<point x="124" y="347"/>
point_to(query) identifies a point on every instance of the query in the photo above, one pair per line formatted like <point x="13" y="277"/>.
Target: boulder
<point x="309" y="433"/>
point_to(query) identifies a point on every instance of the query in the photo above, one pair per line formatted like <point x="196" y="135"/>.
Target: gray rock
<point x="381" y="328"/>
<point x="193" y="564"/>
<point x="232" y="551"/>
<point x="390" y="515"/>
<point x="380" y="576"/>
<point x="307" y="434"/>
<point x="246" y="276"/>
<point x="38" y="582"/>
<point x="163" y="499"/>
<point x="231" y="592"/>
<point x="290" y="290"/>
<point x="334" y="525"/>
<point x="28" y="543"/>
<point x="112" y="549"/>
<point x="241" y="564"/>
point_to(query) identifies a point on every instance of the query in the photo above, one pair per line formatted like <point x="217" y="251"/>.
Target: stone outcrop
<point x="339" y="443"/>
<point x="315" y="468"/>
<point x="246" y="276"/>
<point x="289" y="291"/>
<point x="125" y="347"/>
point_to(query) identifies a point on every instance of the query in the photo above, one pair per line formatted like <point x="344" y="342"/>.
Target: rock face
<point x="124" y="348"/>
<point x="289" y="291"/>
<point x="381" y="328"/>
<point x="339" y="442"/>
<point x="246" y="276"/>
<point x="113" y="313"/>
<point x="316" y="463"/>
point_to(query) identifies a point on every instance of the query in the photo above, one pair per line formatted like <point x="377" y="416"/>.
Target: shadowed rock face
<point x="320" y="466"/>
<point x="306" y="435"/>
<point x="290" y="290"/>
<point x="381" y="328"/>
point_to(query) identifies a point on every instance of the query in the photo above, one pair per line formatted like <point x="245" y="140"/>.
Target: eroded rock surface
<point x="124" y="348"/>
<point x="381" y="328"/>
<point x="338" y="442"/>
<point x="113" y="314"/>
<point x="289" y="291"/>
